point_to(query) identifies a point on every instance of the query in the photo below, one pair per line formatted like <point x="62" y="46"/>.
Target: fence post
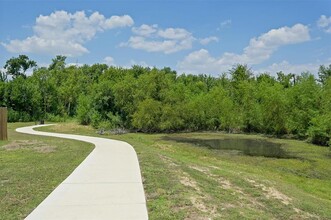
<point x="3" y="123"/>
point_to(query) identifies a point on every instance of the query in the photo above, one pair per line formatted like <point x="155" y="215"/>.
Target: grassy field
<point x="183" y="181"/>
<point x="31" y="167"/>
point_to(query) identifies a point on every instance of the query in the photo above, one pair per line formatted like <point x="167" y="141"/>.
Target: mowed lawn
<point x="181" y="181"/>
<point x="31" y="167"/>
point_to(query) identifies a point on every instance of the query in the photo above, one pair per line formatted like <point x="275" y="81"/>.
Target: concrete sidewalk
<point x="106" y="185"/>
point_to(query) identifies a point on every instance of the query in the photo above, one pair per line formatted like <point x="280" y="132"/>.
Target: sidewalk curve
<point x="106" y="185"/>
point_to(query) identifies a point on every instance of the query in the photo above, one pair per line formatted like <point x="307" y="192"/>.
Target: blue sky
<point x="193" y="36"/>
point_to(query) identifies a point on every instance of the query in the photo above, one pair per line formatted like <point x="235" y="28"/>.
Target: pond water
<point x="250" y="147"/>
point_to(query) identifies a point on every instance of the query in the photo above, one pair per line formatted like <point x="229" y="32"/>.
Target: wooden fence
<point x="3" y="123"/>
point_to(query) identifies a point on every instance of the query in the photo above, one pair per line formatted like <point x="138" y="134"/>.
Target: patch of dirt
<point x="20" y="144"/>
<point x="215" y="167"/>
<point x="168" y="160"/>
<point x="210" y="212"/>
<point x="45" y="149"/>
<point x="303" y="215"/>
<point x="227" y="206"/>
<point x="2" y="182"/>
<point x="165" y="147"/>
<point x="186" y="181"/>
<point x="195" y="216"/>
<point x="198" y="210"/>
<point x="274" y="193"/>
<point x="201" y="169"/>
<point x="227" y="185"/>
<point x="37" y="146"/>
<point x="271" y="192"/>
<point x="199" y="204"/>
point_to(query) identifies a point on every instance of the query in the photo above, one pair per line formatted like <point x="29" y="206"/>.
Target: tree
<point x="240" y="72"/>
<point x="265" y="77"/>
<point x="59" y="62"/>
<point x="84" y="110"/>
<point x="284" y="79"/>
<point x="273" y="101"/>
<point x="23" y="96"/>
<point x="2" y="93"/>
<point x="17" y="66"/>
<point x="303" y="104"/>
<point x="220" y="110"/>
<point x="319" y="131"/>
<point x="3" y="77"/>
<point x="42" y="78"/>
<point x="147" y="117"/>
<point x="324" y="73"/>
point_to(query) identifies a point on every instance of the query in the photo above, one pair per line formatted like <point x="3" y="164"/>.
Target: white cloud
<point x="287" y="67"/>
<point x="132" y="62"/>
<point x="145" y="30"/>
<point x="226" y="23"/>
<point x="154" y="39"/>
<point x="39" y="45"/>
<point x="65" y="33"/>
<point x="261" y="48"/>
<point x="202" y="62"/>
<point x="75" y="64"/>
<point x="324" y="23"/>
<point x="118" y="21"/>
<point x="207" y="40"/>
<point x="174" y="33"/>
<point x="258" y="50"/>
<point x="139" y="63"/>
<point x="109" y="61"/>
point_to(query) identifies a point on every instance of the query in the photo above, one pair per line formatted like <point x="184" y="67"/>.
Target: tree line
<point x="159" y="100"/>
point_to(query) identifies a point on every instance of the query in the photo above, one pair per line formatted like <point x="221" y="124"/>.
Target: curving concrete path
<point x="106" y="185"/>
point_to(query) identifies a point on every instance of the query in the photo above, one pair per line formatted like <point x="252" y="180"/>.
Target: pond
<point x="250" y="147"/>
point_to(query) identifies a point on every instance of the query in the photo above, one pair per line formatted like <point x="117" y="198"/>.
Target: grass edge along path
<point x="106" y="185"/>
<point x="183" y="181"/>
<point x="31" y="167"/>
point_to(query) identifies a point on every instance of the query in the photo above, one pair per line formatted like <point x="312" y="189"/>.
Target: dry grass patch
<point x="37" y="146"/>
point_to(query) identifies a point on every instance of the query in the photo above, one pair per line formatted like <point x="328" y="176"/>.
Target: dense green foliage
<point x="160" y="100"/>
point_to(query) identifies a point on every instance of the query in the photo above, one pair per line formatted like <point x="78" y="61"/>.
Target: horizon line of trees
<point x="159" y="100"/>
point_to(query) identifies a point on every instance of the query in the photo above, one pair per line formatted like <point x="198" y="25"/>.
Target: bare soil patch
<point x="37" y="146"/>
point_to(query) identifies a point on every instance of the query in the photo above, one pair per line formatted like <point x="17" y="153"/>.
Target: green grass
<point x="183" y="181"/>
<point x="31" y="167"/>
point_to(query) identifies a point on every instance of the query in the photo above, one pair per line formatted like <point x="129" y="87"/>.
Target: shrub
<point x="13" y="116"/>
<point x="16" y="116"/>
<point x="114" y="120"/>
<point x="105" y="125"/>
<point x="320" y="131"/>
<point x="55" y="118"/>
<point x="96" y="118"/>
<point x="84" y="113"/>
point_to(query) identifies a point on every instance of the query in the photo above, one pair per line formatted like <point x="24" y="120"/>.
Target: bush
<point x="55" y="118"/>
<point x="84" y="115"/>
<point x="105" y="125"/>
<point x="96" y="118"/>
<point x="320" y="131"/>
<point x="15" y="116"/>
<point x="114" y="120"/>
<point x="25" y="117"/>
